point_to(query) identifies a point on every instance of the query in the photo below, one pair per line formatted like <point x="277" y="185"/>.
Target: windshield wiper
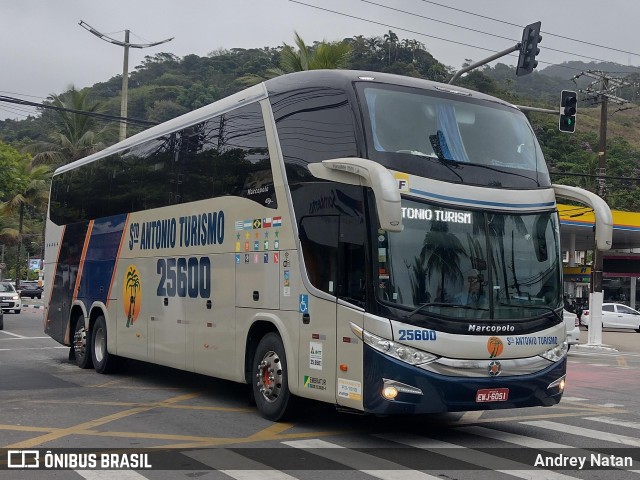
<point x="439" y="304"/>
<point x="534" y="307"/>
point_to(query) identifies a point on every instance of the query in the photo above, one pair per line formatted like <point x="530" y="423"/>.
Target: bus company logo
<point x="474" y="328"/>
<point x="494" y="368"/>
<point x="495" y="347"/>
<point x="132" y="294"/>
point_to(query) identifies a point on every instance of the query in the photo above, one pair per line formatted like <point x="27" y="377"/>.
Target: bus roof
<point x="339" y="79"/>
<point x="342" y="79"/>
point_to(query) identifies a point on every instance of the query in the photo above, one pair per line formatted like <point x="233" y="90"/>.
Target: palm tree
<point x="443" y="251"/>
<point x="322" y="55"/>
<point x="391" y="39"/>
<point x="74" y="135"/>
<point x="132" y="283"/>
<point x="32" y="191"/>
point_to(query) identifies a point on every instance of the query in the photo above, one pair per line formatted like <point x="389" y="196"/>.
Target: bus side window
<point x="319" y="241"/>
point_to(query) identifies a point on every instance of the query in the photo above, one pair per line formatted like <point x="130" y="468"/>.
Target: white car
<point x="616" y="315"/>
<point x="9" y="297"/>
<point x="572" y="326"/>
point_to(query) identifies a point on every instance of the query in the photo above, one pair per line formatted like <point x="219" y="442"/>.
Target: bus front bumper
<point x="440" y="393"/>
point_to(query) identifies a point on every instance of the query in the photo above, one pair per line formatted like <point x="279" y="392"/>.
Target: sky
<point x="44" y="50"/>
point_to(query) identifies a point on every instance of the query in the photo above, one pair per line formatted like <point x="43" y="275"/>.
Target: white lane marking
<point x="585" y="432"/>
<point x="475" y="457"/>
<point x="263" y="474"/>
<point x="29" y="348"/>
<point x="521" y="440"/>
<point x="377" y="467"/>
<point x="110" y="474"/>
<point x="221" y="459"/>
<point x="615" y="421"/>
<point x="12" y="334"/>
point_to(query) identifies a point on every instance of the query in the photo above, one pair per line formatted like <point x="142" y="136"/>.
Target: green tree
<point x="10" y="160"/>
<point x="72" y="135"/>
<point x="323" y="55"/>
<point x="31" y="192"/>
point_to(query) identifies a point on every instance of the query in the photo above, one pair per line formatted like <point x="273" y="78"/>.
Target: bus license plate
<point x="492" y="395"/>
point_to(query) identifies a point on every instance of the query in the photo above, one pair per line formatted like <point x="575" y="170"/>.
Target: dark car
<point x="31" y="290"/>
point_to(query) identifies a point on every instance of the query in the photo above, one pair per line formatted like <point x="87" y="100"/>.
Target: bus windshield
<point x="470" y="264"/>
<point x="452" y="137"/>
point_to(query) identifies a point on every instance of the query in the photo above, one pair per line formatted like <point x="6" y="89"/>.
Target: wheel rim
<point x="270" y="376"/>
<point x="99" y="346"/>
<point x="80" y="341"/>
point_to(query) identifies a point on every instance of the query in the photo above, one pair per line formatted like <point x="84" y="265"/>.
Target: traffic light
<point x="529" y="49"/>
<point x="568" y="109"/>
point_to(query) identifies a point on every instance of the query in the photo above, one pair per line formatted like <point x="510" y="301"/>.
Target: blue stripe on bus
<point x="100" y="259"/>
<point x="482" y="202"/>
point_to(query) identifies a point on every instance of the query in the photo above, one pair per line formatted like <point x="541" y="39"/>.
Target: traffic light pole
<point x="468" y="68"/>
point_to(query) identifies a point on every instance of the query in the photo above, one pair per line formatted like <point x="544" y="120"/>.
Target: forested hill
<point x="164" y="86"/>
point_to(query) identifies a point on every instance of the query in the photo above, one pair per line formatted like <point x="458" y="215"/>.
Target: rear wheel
<point x="270" y="384"/>
<point x="103" y="361"/>
<point x="81" y="348"/>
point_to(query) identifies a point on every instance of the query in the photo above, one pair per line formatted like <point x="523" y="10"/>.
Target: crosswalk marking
<point x="585" y="432"/>
<point x="615" y="421"/>
<point x="521" y="440"/>
<point x="264" y="474"/>
<point x="235" y="465"/>
<point x="251" y="470"/>
<point x="476" y="457"/>
<point x="574" y="399"/>
<point x="110" y="474"/>
<point x="376" y="467"/>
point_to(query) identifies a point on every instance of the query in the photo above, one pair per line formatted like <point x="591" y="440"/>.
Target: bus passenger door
<point x="350" y="311"/>
<point x="317" y="308"/>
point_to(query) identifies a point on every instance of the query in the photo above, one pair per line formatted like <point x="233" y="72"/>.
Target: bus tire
<point x="81" y="347"/>
<point x="270" y="382"/>
<point x="103" y="361"/>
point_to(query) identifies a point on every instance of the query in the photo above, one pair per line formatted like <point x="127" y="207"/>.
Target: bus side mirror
<point x="602" y="212"/>
<point x="359" y="171"/>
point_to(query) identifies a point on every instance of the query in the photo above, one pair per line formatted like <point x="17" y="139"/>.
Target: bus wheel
<point x="103" y="361"/>
<point x="271" y="388"/>
<point x="81" y="348"/>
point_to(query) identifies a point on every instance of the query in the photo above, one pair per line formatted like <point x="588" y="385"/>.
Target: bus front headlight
<point x="407" y="354"/>
<point x="556" y="353"/>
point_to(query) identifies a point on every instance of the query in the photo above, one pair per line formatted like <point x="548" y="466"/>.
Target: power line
<point x="522" y="26"/>
<point x="477" y="31"/>
<point x="103" y="116"/>
<point x="419" y="33"/>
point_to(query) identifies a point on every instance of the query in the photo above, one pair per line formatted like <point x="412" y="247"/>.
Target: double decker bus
<point x="386" y="244"/>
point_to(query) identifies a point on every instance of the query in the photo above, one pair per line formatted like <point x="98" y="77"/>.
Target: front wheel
<point x="270" y="384"/>
<point x="81" y="348"/>
<point x="103" y="361"/>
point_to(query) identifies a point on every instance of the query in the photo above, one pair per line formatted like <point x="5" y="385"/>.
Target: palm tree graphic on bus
<point x="132" y="295"/>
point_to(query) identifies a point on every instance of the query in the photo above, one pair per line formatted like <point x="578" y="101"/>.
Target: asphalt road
<point x="193" y="426"/>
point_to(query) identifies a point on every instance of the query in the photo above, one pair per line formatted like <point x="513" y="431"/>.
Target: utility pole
<point x="125" y="67"/>
<point x="603" y="95"/>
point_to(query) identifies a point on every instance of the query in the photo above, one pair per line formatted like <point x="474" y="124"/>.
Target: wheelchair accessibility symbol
<point x="304" y="303"/>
